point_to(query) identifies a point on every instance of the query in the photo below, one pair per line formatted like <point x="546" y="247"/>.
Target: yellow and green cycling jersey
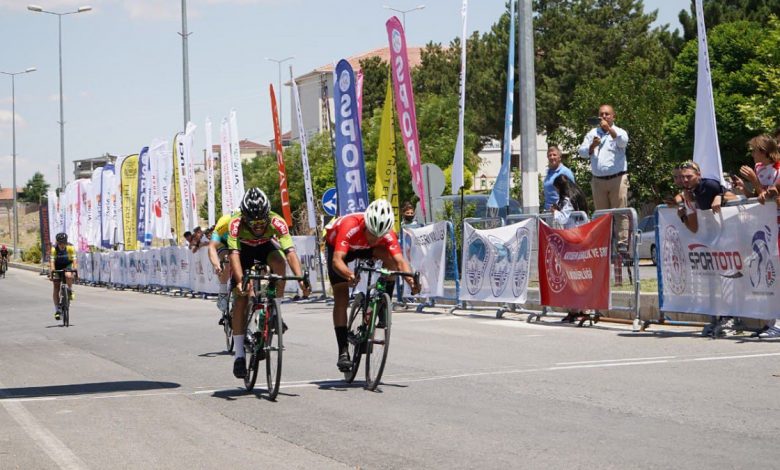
<point x="63" y="258"/>
<point x="240" y="235"/>
<point x="220" y="234"/>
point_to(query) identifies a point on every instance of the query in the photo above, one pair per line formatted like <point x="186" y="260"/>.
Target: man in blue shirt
<point x="554" y="169"/>
<point x="605" y="146"/>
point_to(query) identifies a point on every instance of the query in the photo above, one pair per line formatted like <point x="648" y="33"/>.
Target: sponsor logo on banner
<point x="501" y="267"/>
<point x="522" y="257"/>
<point x="760" y="263"/>
<point x="478" y="258"/>
<point x="672" y="260"/>
<point x="350" y="166"/>
<point x="556" y="277"/>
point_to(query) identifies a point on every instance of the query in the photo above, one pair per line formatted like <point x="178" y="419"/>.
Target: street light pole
<point x="279" y="63"/>
<point x="185" y="62"/>
<point x="403" y="12"/>
<point x="13" y="139"/>
<point x="37" y="9"/>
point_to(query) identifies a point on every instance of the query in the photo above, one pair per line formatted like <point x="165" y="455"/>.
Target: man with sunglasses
<point x="257" y="234"/>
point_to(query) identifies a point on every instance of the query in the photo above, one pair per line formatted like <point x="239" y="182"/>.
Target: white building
<point x="490" y="162"/>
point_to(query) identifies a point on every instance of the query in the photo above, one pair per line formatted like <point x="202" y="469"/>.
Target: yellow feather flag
<point x="386" y="185"/>
<point x="129" y="187"/>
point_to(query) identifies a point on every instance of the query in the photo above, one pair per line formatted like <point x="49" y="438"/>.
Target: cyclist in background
<point x="63" y="256"/>
<point x="367" y="235"/>
<point x="257" y="235"/>
<point x="218" y="255"/>
<point x="4" y="253"/>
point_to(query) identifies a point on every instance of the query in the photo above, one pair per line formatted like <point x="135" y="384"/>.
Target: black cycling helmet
<point x="254" y="205"/>
<point x="62" y="237"/>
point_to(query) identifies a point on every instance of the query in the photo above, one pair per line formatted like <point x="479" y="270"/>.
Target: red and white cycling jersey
<point x="348" y="233"/>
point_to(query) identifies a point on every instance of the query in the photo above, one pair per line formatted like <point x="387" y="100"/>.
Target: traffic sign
<point x="330" y="202"/>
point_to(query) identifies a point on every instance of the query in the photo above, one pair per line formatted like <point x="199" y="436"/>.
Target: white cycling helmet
<point x="379" y="217"/>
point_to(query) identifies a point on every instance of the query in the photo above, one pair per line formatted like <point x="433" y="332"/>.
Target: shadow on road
<point x="215" y="354"/>
<point x="84" y="389"/>
<point x="234" y="393"/>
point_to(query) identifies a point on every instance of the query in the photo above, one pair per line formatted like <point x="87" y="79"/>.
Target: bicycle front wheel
<point x="274" y="349"/>
<point x="355" y="335"/>
<point x="65" y="305"/>
<point x="378" y="342"/>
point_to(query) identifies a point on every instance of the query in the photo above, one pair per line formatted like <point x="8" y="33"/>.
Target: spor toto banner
<point x="728" y="267"/>
<point x="574" y="265"/>
<point x="404" y="104"/>
<point x="425" y="249"/>
<point x="350" y="166"/>
<point x="497" y="262"/>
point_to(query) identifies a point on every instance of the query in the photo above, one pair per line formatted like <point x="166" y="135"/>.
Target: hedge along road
<point x="142" y="379"/>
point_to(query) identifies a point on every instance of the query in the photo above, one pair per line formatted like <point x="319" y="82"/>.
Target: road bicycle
<point x="264" y="327"/>
<point x="369" y="323"/>
<point x="64" y="294"/>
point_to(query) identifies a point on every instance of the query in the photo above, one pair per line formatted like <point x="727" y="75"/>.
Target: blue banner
<point x="143" y="205"/>
<point x="499" y="197"/>
<point x="350" y="166"/>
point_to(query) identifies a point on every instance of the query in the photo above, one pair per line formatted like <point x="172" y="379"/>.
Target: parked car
<point x="478" y="201"/>
<point x="647" y="249"/>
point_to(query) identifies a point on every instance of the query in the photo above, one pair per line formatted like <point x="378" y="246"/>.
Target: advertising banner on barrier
<point x="728" y="267"/>
<point x="574" y="265"/>
<point x="425" y="249"/>
<point x="105" y="267"/>
<point x="306" y="248"/>
<point x="497" y="262"/>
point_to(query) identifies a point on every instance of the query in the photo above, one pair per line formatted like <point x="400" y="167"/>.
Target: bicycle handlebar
<point x="250" y="274"/>
<point x="386" y="272"/>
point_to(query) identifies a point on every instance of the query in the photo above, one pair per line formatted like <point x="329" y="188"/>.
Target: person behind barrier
<point x="198" y="239"/>
<point x="187" y="239"/>
<point x="257" y="235"/>
<point x="764" y="176"/>
<point x="63" y="256"/>
<point x="219" y="257"/>
<point x="605" y="147"/>
<point x="554" y="169"/>
<point x="407" y="213"/>
<point x="570" y="198"/>
<point x="362" y="235"/>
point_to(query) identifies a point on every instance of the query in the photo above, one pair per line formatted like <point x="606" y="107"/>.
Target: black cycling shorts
<point x="336" y="278"/>
<point x="249" y="255"/>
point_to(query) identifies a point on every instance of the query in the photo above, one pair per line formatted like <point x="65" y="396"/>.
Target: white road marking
<point x="745" y="356"/>
<point x="45" y="439"/>
<point x="614" y="360"/>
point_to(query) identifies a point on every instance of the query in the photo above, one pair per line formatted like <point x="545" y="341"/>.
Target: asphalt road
<point x="141" y="381"/>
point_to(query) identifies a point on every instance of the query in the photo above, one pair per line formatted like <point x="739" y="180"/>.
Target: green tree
<point x="735" y="65"/>
<point x="35" y="189"/>
<point x="761" y="112"/>
<point x="717" y="12"/>
<point x="375" y="75"/>
<point x="584" y="41"/>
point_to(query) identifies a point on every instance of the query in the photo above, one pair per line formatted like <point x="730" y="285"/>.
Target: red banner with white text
<point x="285" y="196"/>
<point x="574" y="265"/>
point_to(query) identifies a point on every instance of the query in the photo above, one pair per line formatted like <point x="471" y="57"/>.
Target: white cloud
<point x="6" y="120"/>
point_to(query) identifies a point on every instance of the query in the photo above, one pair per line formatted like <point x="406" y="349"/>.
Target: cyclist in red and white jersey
<point x="367" y="235"/>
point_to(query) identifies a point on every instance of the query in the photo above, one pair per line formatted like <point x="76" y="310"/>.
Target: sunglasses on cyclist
<point x="257" y="225"/>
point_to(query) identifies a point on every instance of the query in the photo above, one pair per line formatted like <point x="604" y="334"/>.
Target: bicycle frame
<point x="375" y="292"/>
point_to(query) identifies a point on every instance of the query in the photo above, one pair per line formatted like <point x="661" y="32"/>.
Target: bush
<point x="33" y="254"/>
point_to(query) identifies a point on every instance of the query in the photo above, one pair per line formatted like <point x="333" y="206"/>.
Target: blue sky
<point x="122" y="72"/>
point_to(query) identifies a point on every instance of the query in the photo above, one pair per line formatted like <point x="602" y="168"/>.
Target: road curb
<point x="26" y="267"/>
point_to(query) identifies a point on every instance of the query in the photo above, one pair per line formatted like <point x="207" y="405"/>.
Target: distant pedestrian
<point x="554" y="169"/>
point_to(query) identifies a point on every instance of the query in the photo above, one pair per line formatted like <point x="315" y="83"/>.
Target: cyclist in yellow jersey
<point x="63" y="256"/>
<point x="218" y="254"/>
<point x="257" y="235"/>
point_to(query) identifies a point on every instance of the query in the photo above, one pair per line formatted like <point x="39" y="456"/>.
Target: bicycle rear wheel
<point x="378" y="342"/>
<point x="355" y="335"/>
<point x="228" y="325"/>
<point x="273" y="349"/>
